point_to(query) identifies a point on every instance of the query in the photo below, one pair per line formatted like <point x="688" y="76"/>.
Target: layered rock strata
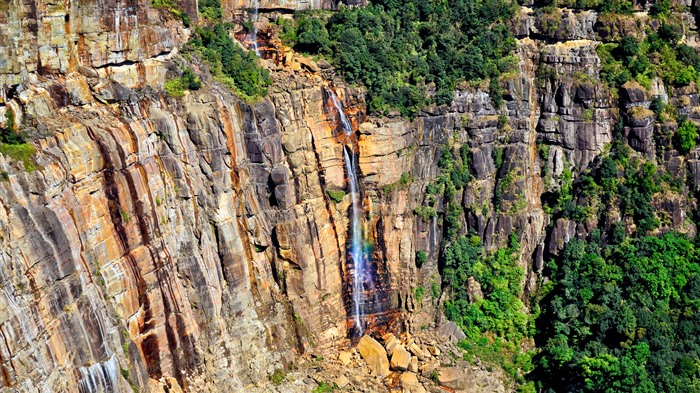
<point x="190" y="243"/>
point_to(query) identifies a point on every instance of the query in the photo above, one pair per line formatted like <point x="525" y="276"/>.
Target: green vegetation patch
<point x="210" y="9"/>
<point x="686" y="136"/>
<point x="230" y="64"/>
<point x="324" y="387"/>
<point x="176" y="87"/>
<point x="278" y="377"/>
<point x="174" y="9"/>
<point x="421" y="258"/>
<point x="402" y="50"/>
<point x="619" y="311"/>
<point x="623" y="318"/>
<point x="495" y="322"/>
<point x="661" y="53"/>
<point x="336" y="196"/>
<point x="20" y="152"/>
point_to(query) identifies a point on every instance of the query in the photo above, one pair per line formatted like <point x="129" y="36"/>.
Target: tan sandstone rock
<point x="413" y="365"/>
<point x="345" y="358"/>
<point x="400" y="359"/>
<point x="342" y="381"/>
<point x="375" y="355"/>
<point x="453" y="378"/>
<point x="410" y="383"/>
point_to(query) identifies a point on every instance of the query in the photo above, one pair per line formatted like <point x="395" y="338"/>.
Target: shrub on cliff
<point x="659" y="55"/>
<point x="8" y="134"/>
<point x="336" y="196"/>
<point x="174" y="9"/>
<point x="686" y="136"/>
<point x="188" y="81"/>
<point x="210" y="9"/>
<point x="229" y="63"/>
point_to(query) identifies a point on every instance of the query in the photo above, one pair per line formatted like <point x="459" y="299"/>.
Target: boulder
<point x="400" y="359"/>
<point x="413" y="365"/>
<point x="342" y="381"/>
<point x="390" y="343"/>
<point x="451" y="330"/>
<point x="374" y="355"/>
<point x="409" y="382"/>
<point x="435" y="351"/>
<point x="453" y="378"/>
<point x="345" y="358"/>
<point x="634" y="94"/>
<point x="416" y="350"/>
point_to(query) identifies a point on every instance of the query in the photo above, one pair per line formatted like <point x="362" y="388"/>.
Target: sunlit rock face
<point x="191" y="243"/>
<point x="161" y="243"/>
<point x="242" y="10"/>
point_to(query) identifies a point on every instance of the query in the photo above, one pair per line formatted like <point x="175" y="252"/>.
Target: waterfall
<point x="254" y="19"/>
<point x="361" y="273"/>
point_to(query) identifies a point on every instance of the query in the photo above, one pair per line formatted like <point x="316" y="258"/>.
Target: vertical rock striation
<point x="190" y="243"/>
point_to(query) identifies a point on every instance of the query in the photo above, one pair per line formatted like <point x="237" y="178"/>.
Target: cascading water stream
<point x="254" y="20"/>
<point x="357" y="253"/>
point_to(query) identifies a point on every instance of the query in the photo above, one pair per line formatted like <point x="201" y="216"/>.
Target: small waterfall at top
<point x="361" y="274"/>
<point x="254" y="20"/>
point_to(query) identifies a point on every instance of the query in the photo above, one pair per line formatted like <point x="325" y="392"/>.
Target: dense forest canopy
<point x="411" y="53"/>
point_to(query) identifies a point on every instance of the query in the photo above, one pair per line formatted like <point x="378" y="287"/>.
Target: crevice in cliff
<point x="5" y="371"/>
<point x="149" y="343"/>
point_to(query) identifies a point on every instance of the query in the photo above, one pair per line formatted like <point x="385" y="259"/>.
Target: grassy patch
<point x="324" y="387"/>
<point x="176" y="87"/>
<point x="278" y="377"/>
<point x="20" y="152"/>
<point x="336" y="196"/>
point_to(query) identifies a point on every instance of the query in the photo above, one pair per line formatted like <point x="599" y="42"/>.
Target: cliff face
<point x="242" y="10"/>
<point x="147" y="249"/>
<point x="190" y="243"/>
<point x="163" y="243"/>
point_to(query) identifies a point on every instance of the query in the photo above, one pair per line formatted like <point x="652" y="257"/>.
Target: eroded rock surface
<point x="190" y="243"/>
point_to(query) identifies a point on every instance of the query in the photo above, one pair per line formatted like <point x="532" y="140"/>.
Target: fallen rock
<point x="400" y="359"/>
<point x="342" y="381"/>
<point x="451" y="330"/>
<point x="308" y="64"/>
<point x="453" y="378"/>
<point x="435" y="351"/>
<point x="428" y="367"/>
<point x="413" y="365"/>
<point x="345" y="358"/>
<point x="415" y="350"/>
<point x="390" y="343"/>
<point x="375" y="355"/>
<point x="409" y="381"/>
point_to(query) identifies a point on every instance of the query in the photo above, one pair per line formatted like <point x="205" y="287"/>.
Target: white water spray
<point x="254" y="19"/>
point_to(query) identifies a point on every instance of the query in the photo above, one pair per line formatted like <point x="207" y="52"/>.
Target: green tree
<point x="686" y="136"/>
<point x="8" y="133"/>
